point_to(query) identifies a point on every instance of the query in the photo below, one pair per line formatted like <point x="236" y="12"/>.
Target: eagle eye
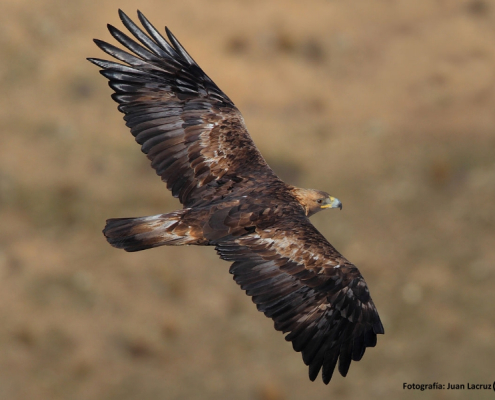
<point x="319" y="201"/>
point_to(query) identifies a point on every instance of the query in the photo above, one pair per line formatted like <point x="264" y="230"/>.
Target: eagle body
<point x="198" y="144"/>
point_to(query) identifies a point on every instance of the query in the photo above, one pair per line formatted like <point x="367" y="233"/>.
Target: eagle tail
<point x="135" y="234"/>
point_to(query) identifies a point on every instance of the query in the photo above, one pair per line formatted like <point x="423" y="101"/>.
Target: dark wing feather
<point x="300" y="281"/>
<point x="191" y="131"/>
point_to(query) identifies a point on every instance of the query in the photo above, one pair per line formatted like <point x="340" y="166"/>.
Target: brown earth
<point x="388" y="105"/>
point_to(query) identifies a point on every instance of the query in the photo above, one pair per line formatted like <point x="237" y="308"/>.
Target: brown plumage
<point x="198" y="144"/>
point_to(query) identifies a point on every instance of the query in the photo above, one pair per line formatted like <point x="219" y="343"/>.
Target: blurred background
<point x="389" y="105"/>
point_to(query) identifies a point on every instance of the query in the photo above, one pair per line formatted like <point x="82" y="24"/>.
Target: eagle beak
<point x="332" y="202"/>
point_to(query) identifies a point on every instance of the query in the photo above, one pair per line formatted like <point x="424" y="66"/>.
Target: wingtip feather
<point x="178" y="47"/>
<point x="122" y="14"/>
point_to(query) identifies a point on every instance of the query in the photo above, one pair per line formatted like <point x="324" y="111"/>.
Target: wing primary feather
<point x="312" y="348"/>
<point x="369" y="338"/>
<point x="328" y="353"/>
<point x="134" y="76"/>
<point x="378" y="328"/>
<point x="124" y="87"/>
<point x="160" y="40"/>
<point x="131" y="44"/>
<point x="179" y="48"/>
<point x="329" y="362"/>
<point x="119" y="54"/>
<point x="358" y="348"/>
<point x="315" y="366"/>
<point x="111" y="65"/>
<point x="141" y="36"/>
<point x="345" y="357"/>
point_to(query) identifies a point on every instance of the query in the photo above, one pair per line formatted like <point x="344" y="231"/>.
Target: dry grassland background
<point x="389" y="105"/>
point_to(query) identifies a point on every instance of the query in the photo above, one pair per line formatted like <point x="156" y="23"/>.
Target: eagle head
<point x="315" y="200"/>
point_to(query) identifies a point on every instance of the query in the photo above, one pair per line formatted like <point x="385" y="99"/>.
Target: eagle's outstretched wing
<point x="300" y="281"/>
<point x="191" y="131"/>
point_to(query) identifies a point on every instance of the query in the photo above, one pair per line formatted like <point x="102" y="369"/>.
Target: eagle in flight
<point x="198" y="144"/>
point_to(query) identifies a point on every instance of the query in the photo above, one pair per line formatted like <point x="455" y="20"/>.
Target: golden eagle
<point x="198" y="144"/>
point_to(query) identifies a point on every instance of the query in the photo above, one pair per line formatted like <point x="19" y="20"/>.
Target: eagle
<point x="197" y="142"/>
